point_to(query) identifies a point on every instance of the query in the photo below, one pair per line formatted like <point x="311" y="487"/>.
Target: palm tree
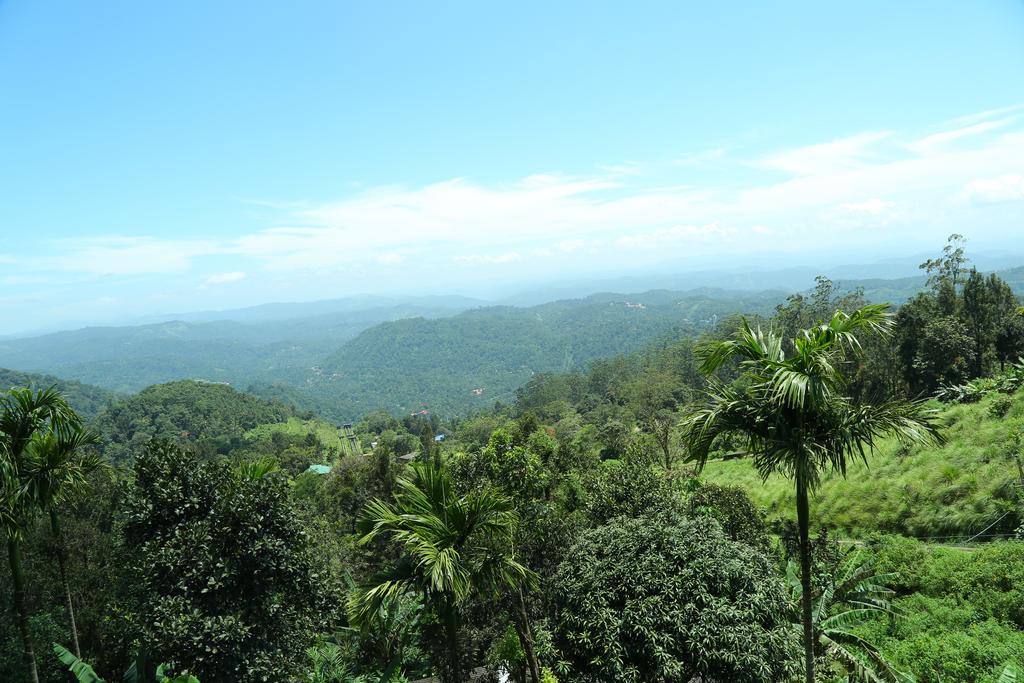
<point x="453" y="546"/>
<point x="790" y="414"/>
<point x="858" y="594"/>
<point x="57" y="466"/>
<point x="24" y="416"/>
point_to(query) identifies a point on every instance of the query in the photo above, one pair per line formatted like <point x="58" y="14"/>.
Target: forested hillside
<point x="200" y="413"/>
<point x="87" y="399"/>
<point x="472" y="360"/>
<point x="266" y="344"/>
<point x="403" y="547"/>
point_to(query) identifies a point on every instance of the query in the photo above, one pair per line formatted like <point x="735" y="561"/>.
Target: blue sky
<point x="162" y="157"/>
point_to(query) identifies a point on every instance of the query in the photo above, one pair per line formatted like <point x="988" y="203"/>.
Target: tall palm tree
<point x="453" y="547"/>
<point x="858" y="593"/>
<point x="57" y="466"/>
<point x="24" y="416"/>
<point x="789" y="413"/>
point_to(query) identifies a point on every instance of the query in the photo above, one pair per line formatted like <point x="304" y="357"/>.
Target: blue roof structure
<point x="319" y="469"/>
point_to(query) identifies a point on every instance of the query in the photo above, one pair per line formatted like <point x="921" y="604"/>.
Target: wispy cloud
<point x="224" y="278"/>
<point x="126" y="255"/>
<point x="1005" y="188"/>
<point x="855" y="151"/>
<point x="489" y="259"/>
<point x="901" y="179"/>
<point x="931" y="143"/>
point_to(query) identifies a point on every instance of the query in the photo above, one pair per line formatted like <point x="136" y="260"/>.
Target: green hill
<point x="202" y="413"/>
<point x="967" y="486"/>
<point x="459" y="364"/>
<point x="87" y="399"/>
<point x="280" y="349"/>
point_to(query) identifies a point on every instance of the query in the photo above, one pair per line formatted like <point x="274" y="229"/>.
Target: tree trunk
<point x="803" y="523"/>
<point x="521" y="620"/>
<point x="451" y="627"/>
<point x="62" y="566"/>
<point x="18" y="581"/>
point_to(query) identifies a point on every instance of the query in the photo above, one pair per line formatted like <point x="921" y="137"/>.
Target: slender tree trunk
<point x="803" y="523"/>
<point x="521" y="620"/>
<point x="451" y="627"/>
<point x="18" y="581"/>
<point x="69" y="605"/>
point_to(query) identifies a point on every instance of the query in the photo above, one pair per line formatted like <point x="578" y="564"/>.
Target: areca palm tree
<point x="25" y="415"/>
<point x="57" y="466"/>
<point x="453" y="547"/>
<point x="857" y="594"/>
<point x="790" y="414"/>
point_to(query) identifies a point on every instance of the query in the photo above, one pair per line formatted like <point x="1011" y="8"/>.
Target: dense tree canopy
<point x="221" y="578"/>
<point x="687" y="603"/>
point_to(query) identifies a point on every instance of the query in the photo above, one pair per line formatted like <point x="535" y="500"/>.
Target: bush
<point x="638" y="600"/>
<point x="1000" y="406"/>
<point x="903" y="557"/>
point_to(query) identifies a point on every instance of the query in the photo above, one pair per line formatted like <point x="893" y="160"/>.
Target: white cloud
<point x="119" y="255"/>
<point x="871" y="207"/>
<point x="390" y="259"/>
<point x="489" y="259"/>
<point x="931" y="143"/>
<point x="859" y="181"/>
<point x="855" y="151"/>
<point x="702" y="157"/>
<point x="1005" y="188"/>
<point x="224" y="278"/>
<point x="677" y="235"/>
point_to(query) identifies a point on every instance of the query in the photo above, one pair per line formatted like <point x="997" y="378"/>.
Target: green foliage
<point x="731" y="507"/>
<point x="454" y="547"/>
<point x="548" y="676"/>
<point x="405" y="365"/>
<point x="207" y="415"/>
<point x="938" y="491"/>
<point x="960" y="610"/>
<point x="631" y="488"/>
<point x="856" y="593"/>
<point x="513" y="467"/>
<point x="1000" y="406"/>
<point x="687" y="603"/>
<point x="87" y="400"/>
<point x="85" y="673"/>
<point x="221" y="574"/>
<point x="82" y="671"/>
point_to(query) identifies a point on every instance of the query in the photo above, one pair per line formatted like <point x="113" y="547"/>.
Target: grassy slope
<point x="325" y="432"/>
<point x="956" y="489"/>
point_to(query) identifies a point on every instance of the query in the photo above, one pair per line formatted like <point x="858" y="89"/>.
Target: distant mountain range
<point x="263" y="344"/>
<point x="346" y="357"/>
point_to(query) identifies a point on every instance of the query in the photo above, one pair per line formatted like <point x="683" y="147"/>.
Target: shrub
<point x="1000" y="406"/>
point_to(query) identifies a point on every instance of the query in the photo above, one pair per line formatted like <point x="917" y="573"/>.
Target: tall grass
<point x="943" y="492"/>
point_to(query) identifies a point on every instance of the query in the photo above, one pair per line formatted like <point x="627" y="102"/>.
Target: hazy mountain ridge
<point x="466" y="362"/>
<point x="130" y="358"/>
<point x="403" y="356"/>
